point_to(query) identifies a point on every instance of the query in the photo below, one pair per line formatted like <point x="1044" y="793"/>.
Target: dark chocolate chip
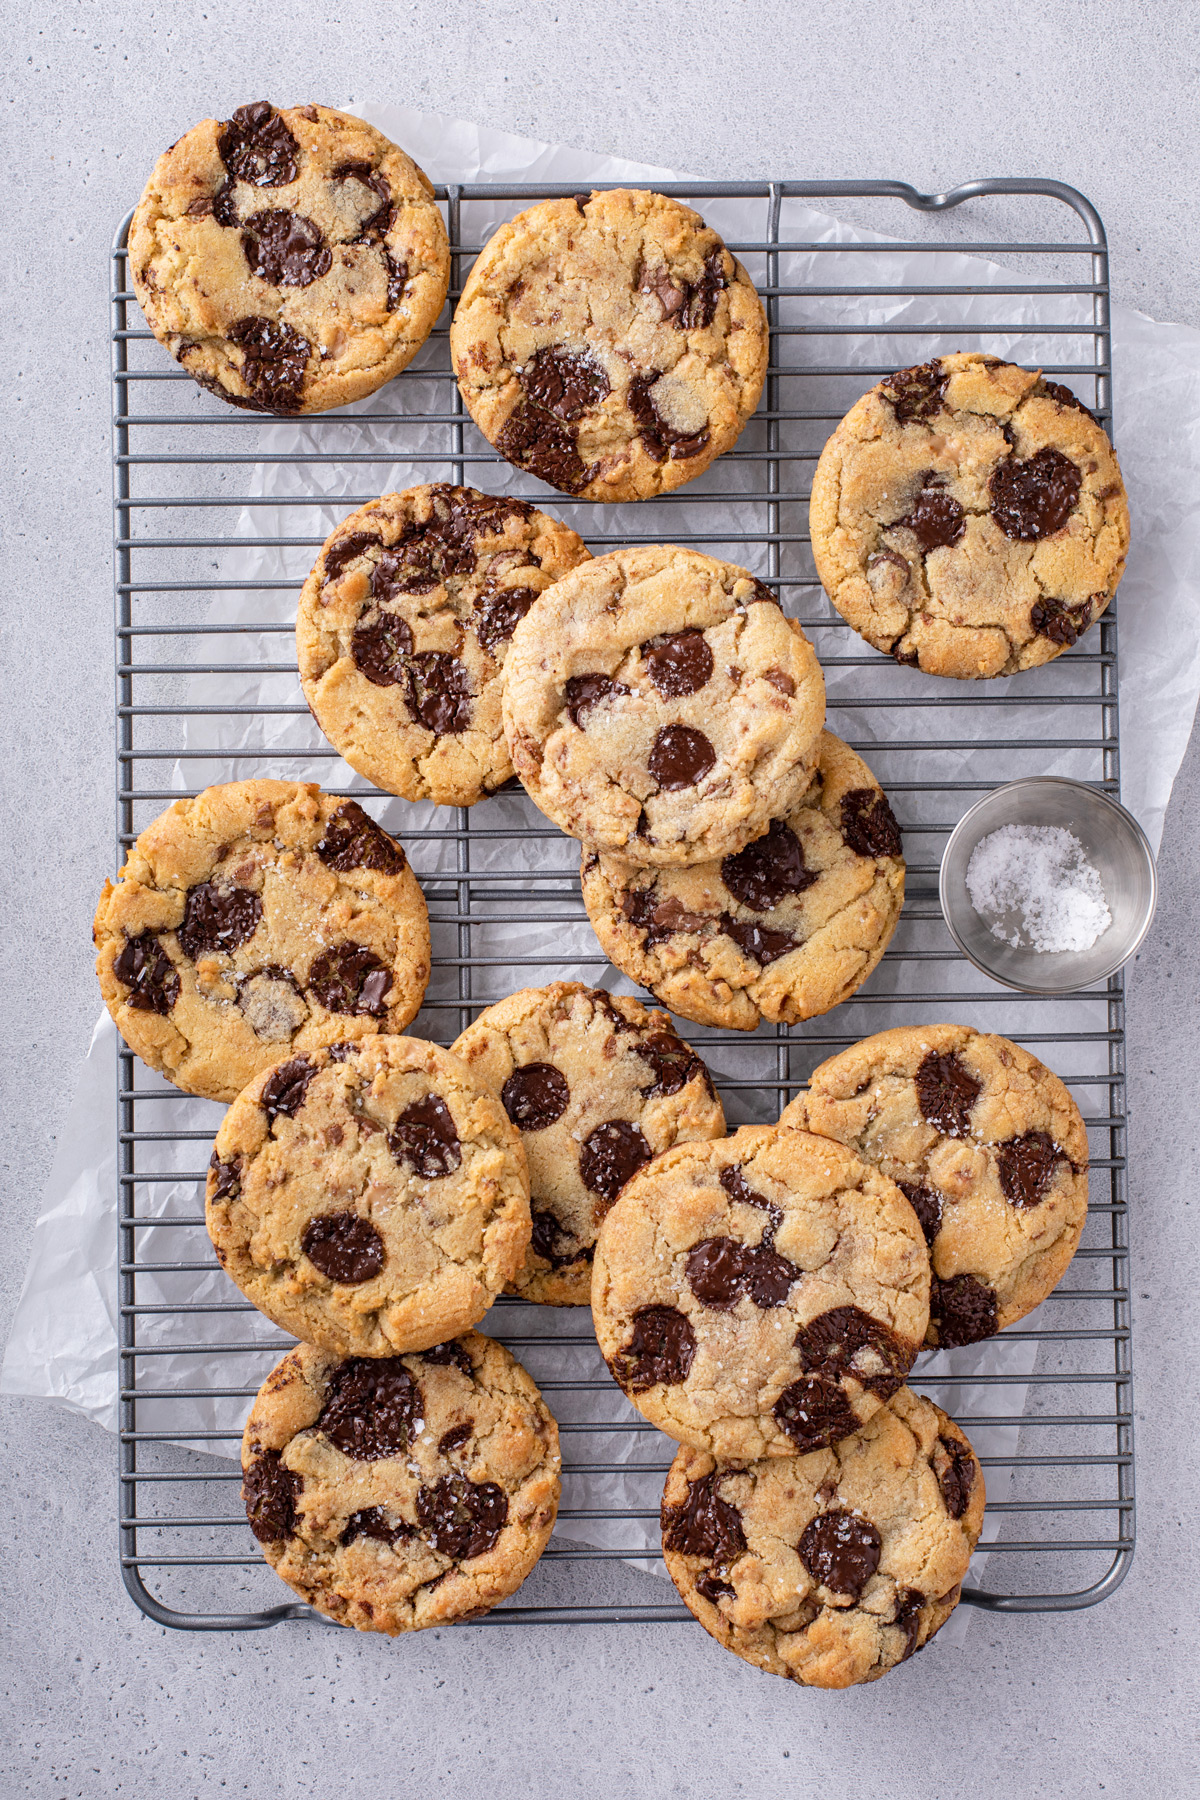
<point x="926" y="1202"/>
<point x="674" y="1063"/>
<point x="439" y="692"/>
<point x="916" y="393"/>
<point x="678" y="664"/>
<point x="814" y="1412"/>
<point x="144" y="967"/>
<point x="565" y="383"/>
<point x="426" y="1137"/>
<point x="956" y="1475"/>
<point x="216" y="920"/>
<point x="340" y="1053"/>
<point x="345" y="550"/>
<point x="283" y="1094"/>
<point x="449" y="1355"/>
<point x="349" y="978"/>
<point x="734" y="1182"/>
<point x="963" y="1309"/>
<point x="257" y="147"/>
<point x="712" y="1587"/>
<point x="700" y="297"/>
<point x="228" y="1184"/>
<point x="1061" y="623"/>
<point x="285" y="248"/>
<point x="344" y="1247"/>
<point x="223" y="205"/>
<point x="946" y="1092"/>
<point x="937" y="521"/>
<point x="610" y="1155"/>
<point x="581" y="201"/>
<point x="374" y="228"/>
<point x="1065" y="397"/>
<point x="763" y="945"/>
<point x="909" y="1602"/>
<point x="374" y="1522"/>
<point x="353" y="840"/>
<point x="274" y="360"/>
<point x="717" y="1272"/>
<point x="535" y="1095"/>
<point x="680" y="757"/>
<point x="869" y="824"/>
<point x="841" y="1551"/>
<point x="498" y="612"/>
<point x="396" y="270"/>
<point x="456" y="1436"/>
<point x="372" y="1408"/>
<point x="269" y="1493"/>
<point x="660" y="1349"/>
<point x="381" y="649"/>
<point x="542" y="444"/>
<point x="585" y="691"/>
<point x="670" y="296"/>
<point x="660" y="918"/>
<point x="770" y="1276"/>
<point x="846" y="1341"/>
<point x="1026" y="1167"/>
<point x="553" y="1242"/>
<point x="1034" y="499"/>
<point x="462" y="1518"/>
<point x="768" y="870"/>
<point x="704" y="1524"/>
<point x="661" y="440"/>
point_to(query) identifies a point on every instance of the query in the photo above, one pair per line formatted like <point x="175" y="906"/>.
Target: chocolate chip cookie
<point x="829" y="1568"/>
<point x="369" y="1198"/>
<point x="609" y="344"/>
<point x="596" y="1085"/>
<point x="968" y="517"/>
<point x="292" y="259"/>
<point x="256" y="922"/>
<point x="660" y="707"/>
<point x="404" y="625"/>
<point x="990" y="1149"/>
<point x="761" y="1295"/>
<point x="398" y="1492"/>
<point x="782" y="930"/>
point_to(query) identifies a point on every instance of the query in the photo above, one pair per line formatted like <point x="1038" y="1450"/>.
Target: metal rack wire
<point x="1065" y="1477"/>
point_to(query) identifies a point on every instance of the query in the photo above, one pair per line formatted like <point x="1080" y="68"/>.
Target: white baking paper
<point x="62" y="1344"/>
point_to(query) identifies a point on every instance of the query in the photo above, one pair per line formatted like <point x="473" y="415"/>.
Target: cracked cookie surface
<point x="291" y="259"/>
<point x="659" y="706"/>
<point x="988" y="1145"/>
<point x="762" y="1295"/>
<point x="405" y="1491"/>
<point x="831" y="1568"/>
<point x="783" y="930"/>
<point x="609" y="344"/>
<point x="597" y="1085"/>
<point x="369" y="1198"/>
<point x="404" y="625"/>
<point x="968" y="517"/>
<point x="261" y="920"/>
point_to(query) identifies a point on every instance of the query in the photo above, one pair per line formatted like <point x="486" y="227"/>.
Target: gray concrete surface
<point x="99" y="1701"/>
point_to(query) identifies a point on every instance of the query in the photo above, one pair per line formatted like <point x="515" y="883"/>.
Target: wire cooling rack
<point x="843" y="313"/>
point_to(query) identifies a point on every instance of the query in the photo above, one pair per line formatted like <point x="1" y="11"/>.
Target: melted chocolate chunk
<point x="1065" y="397"/>
<point x="937" y="521"/>
<point x="372" y="1408"/>
<point x="274" y="359"/>
<point x="549" y="1237"/>
<point x="349" y="978"/>
<point x="705" y="1525"/>
<point x="764" y="946"/>
<point x="1034" y="499"/>
<point x="585" y="691"/>
<point x="946" y="1092"/>
<point x="909" y="1602"/>
<point x="462" y="1518"/>
<point x="346" y="550"/>
<point x="814" y="1412"/>
<point x="916" y="393"/>
<point x="269" y="1493"/>
<point x="869" y="824"/>
<point x="610" y="1155"/>
<point x="660" y="1349"/>
<point x="845" y="1341"/>
<point x="700" y="297"/>
<point x="283" y="1094"/>
<point x="674" y="1064"/>
<point x="451" y="1355"/>
<point x="840" y="1550"/>
<point x="144" y="967"/>
<point x="223" y="204"/>
<point x="344" y="1247"/>
<point x="926" y="1202"/>
<point x="426" y="1137"/>
<point x="712" y="1587"/>
<point x="768" y="870"/>
<point x="565" y="383"/>
<point x="1060" y="623"/>
<point x="397" y="280"/>
<point x="535" y="1095"/>
<point x="718" y="1271"/>
<point x="285" y="248"/>
<point x="498" y="613"/>
<point x="228" y="1184"/>
<point x="216" y="920"/>
<point x="661" y="441"/>
<point x="659" y="918"/>
<point x="342" y="1052"/>
<point x="456" y="1436"/>
<point x="680" y="757"/>
<point x="373" y="1522"/>
<point x="375" y="228"/>
<point x="669" y="294"/>
<point x="963" y="1309"/>
<point x="257" y="147"/>
<point x="770" y="1277"/>
<point x="353" y="840"/>
<point x="956" y="1475"/>
<point x="678" y="664"/>
<point x="535" y="440"/>
<point x="381" y="650"/>
<point x="1026" y="1167"/>
<point x="738" y="1188"/>
<point x="439" y="692"/>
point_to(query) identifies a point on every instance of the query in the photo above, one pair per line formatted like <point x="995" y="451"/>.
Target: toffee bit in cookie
<point x="426" y="1137"/>
<point x="680" y="757"/>
<point x="372" y="1408"/>
<point x="1036" y="889"/>
<point x="659" y="1350"/>
<point x="269" y="1493"/>
<point x="869" y="824"/>
<point x="916" y="393"/>
<point x="946" y="1092"/>
<point x="1034" y="499"/>
<point x="217" y="920"/>
<point x="610" y="1155"/>
<point x="763" y="874"/>
<point x="1026" y="1167"/>
<point x="283" y="1093"/>
<point x="460" y="1518"/>
<point x="841" y="1551"/>
<point x="955" y="1470"/>
<point x="963" y="1310"/>
<point x="144" y="967"/>
<point x="344" y="1247"/>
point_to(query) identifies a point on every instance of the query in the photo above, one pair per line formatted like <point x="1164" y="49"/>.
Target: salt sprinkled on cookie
<point x="1037" y="889"/>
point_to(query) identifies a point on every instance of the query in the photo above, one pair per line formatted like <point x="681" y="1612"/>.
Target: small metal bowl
<point x="1114" y="843"/>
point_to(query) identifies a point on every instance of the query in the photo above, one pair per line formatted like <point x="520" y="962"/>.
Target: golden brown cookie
<point x="404" y="625"/>
<point x="597" y="1085"/>
<point x="609" y="344"/>
<point x="990" y="1149"/>
<point x="968" y="517"/>
<point x="761" y="1295"/>
<point x="831" y="1568"/>
<point x="394" y="1493"/>
<point x="291" y="259"/>
<point x="259" y="921"/>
